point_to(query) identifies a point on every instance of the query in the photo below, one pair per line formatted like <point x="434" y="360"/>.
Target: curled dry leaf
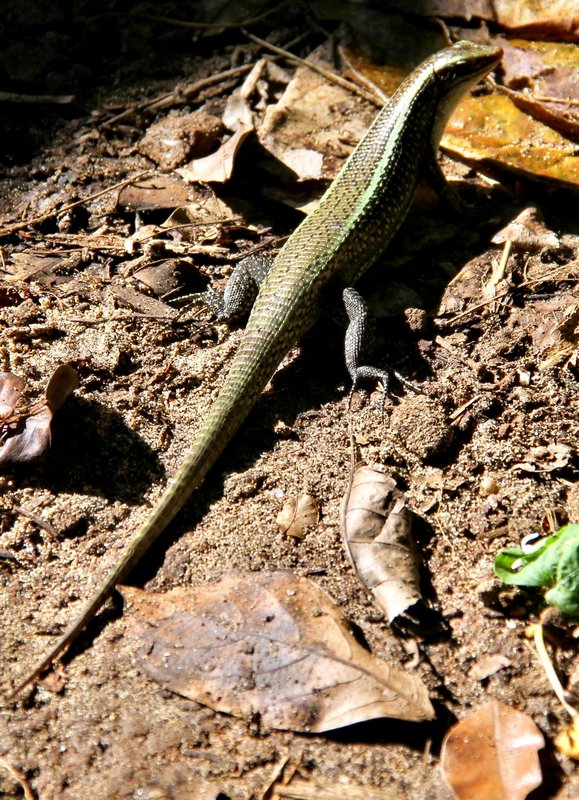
<point x="217" y="167"/>
<point x="25" y="434"/>
<point x="296" y="514"/>
<point x="62" y="383"/>
<point x="493" y="753"/>
<point x="273" y="644"/>
<point x="376" y="526"/>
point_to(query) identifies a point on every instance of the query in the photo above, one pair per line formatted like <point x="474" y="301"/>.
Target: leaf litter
<point x="454" y="510"/>
<point x="271" y="643"/>
<point x="492" y="753"/>
<point x="377" y="536"/>
<point x="25" y="432"/>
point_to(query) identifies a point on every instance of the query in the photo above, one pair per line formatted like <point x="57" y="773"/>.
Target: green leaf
<point x="554" y="565"/>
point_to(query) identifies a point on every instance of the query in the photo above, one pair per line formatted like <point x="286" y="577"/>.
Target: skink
<point x="351" y="226"/>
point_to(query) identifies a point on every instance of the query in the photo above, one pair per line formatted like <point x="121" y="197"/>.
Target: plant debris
<point x="271" y="643"/>
<point x="493" y="753"/>
<point x="376" y="528"/>
<point x="25" y="432"/>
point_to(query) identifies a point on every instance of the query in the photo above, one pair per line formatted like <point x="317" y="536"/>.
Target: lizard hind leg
<point x="356" y="343"/>
<point x="240" y="292"/>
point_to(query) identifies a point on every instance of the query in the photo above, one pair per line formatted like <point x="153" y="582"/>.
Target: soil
<point x="474" y="451"/>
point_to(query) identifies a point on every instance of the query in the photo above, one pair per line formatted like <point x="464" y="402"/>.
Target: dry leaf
<point x="493" y="754"/>
<point x="297" y="514"/>
<point x="160" y="191"/>
<point x="204" y="219"/>
<point x="490" y="127"/>
<point x="376" y="527"/>
<point x="487" y="665"/>
<point x="218" y="167"/>
<point x="541" y="17"/>
<point x="142" y="303"/>
<point x="25" y="434"/>
<point x="273" y="644"/>
<point x="11" y="388"/>
<point x="27" y="265"/>
<point x="546" y="459"/>
<point x="528" y="232"/>
<point x="62" y="383"/>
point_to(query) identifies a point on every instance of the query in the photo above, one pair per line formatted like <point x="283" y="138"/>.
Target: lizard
<point x="327" y="253"/>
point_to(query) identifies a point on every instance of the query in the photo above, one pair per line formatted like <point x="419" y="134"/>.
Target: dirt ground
<point x="474" y="451"/>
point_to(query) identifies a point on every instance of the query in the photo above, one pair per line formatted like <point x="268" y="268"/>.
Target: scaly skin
<point x="351" y="226"/>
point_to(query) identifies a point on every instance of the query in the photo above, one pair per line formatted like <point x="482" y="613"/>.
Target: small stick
<point x="18" y="226"/>
<point x="330" y="76"/>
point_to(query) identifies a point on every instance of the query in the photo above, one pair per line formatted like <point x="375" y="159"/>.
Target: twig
<point x="37" y="99"/>
<point x="369" y="84"/>
<point x="19" y="777"/>
<point x="178" y="95"/>
<point x="530" y="282"/>
<point x="536" y="633"/>
<point x="204" y="26"/>
<point x="330" y="76"/>
<point x="184" y="95"/>
<point x="18" y="226"/>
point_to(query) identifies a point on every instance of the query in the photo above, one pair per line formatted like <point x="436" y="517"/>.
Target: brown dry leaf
<point x="142" y="303"/>
<point x="527" y="232"/>
<point x="161" y="277"/>
<point x="376" y="529"/>
<point x="554" y="17"/>
<point x="557" y="18"/>
<point x="546" y="459"/>
<point x="11" y="388"/>
<point x="202" y="220"/>
<point x="27" y="439"/>
<point x="28" y="265"/>
<point x="296" y="514"/>
<point x="493" y="754"/>
<point x="62" y="383"/>
<point x="25" y="435"/>
<point x="218" y="167"/>
<point x="273" y="644"/>
<point x="541" y="79"/>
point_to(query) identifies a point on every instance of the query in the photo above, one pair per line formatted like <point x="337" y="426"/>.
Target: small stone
<point x="488" y="486"/>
